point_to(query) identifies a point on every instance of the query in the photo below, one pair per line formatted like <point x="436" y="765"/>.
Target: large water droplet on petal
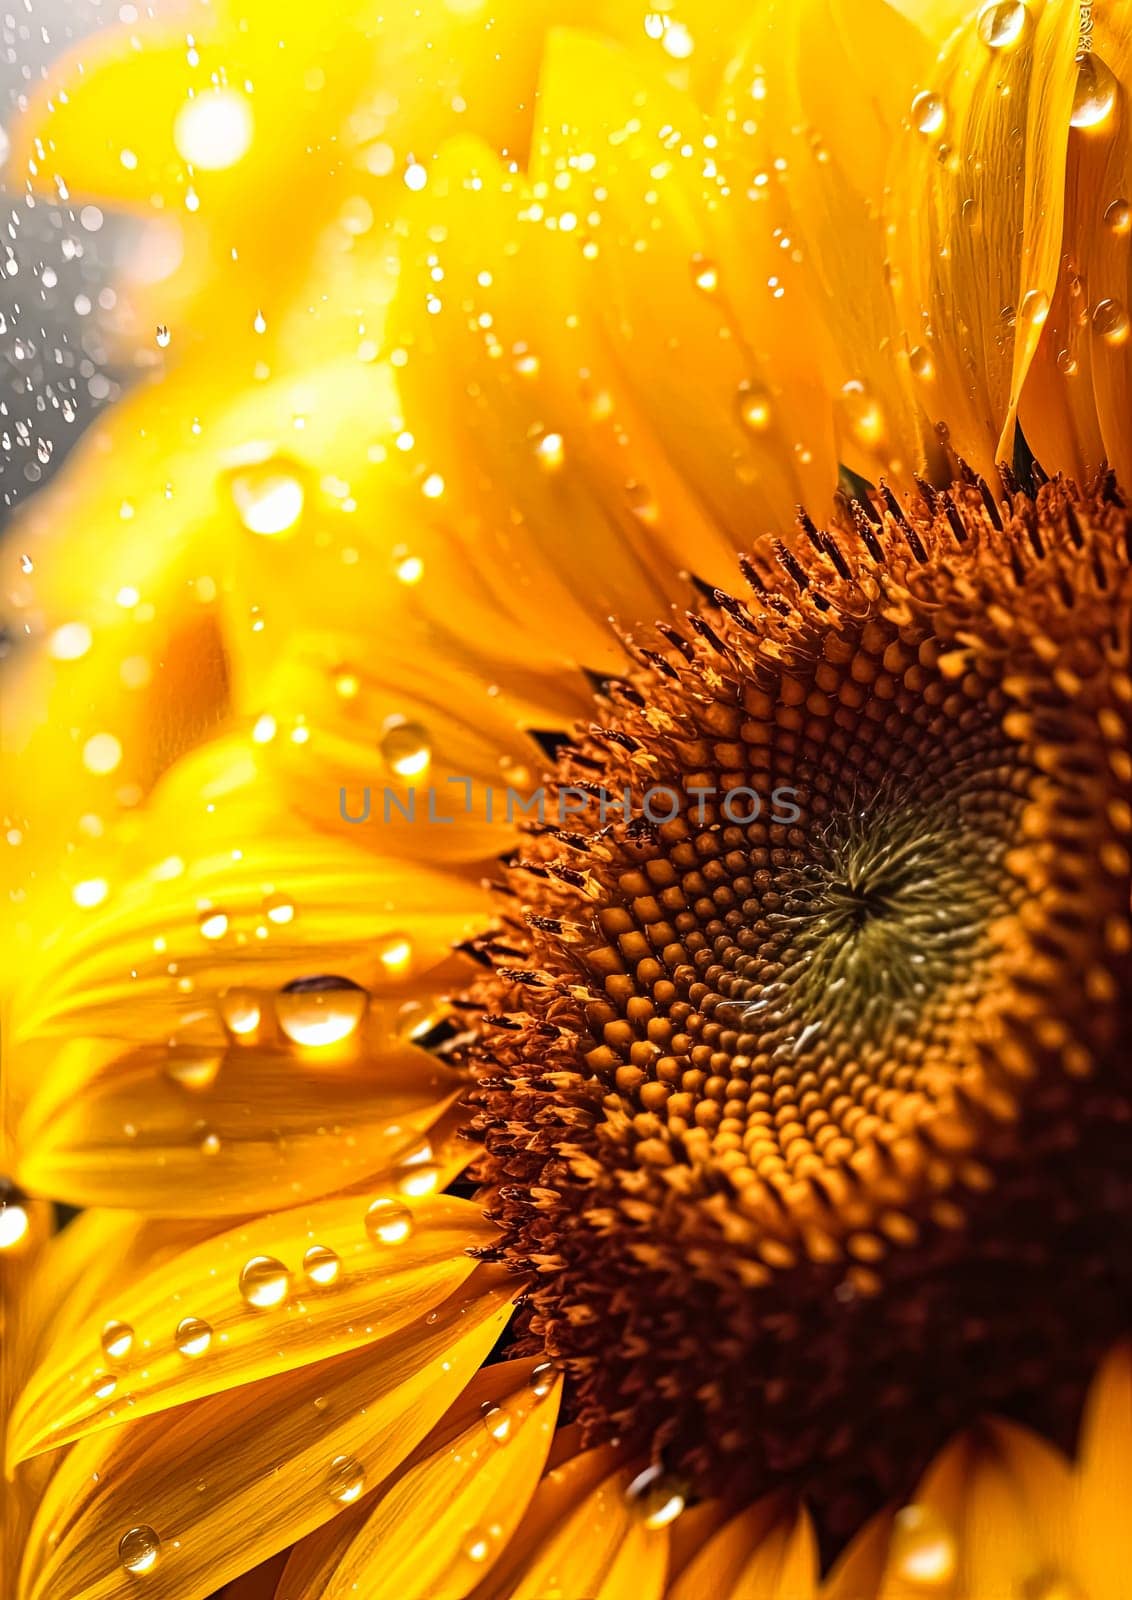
<point x="345" y="1480"/>
<point x="139" y="1549"/>
<point x="320" y="1011"/>
<point x="213" y="129"/>
<point x="268" y="498"/>
<point x="117" y="1340"/>
<point x="264" y="1282"/>
<point x="928" y="113"/>
<point x="321" y="1264"/>
<point x="1110" y="321"/>
<point x="499" y="1424"/>
<point x="195" y="1052"/>
<point x="542" y="1379"/>
<point x="389" y="1222"/>
<point x="240" y="1011"/>
<point x="193" y="1336"/>
<point x="1095" y="94"/>
<point x="754" y="407"/>
<point x="1118" y="217"/>
<point x="923" y="1548"/>
<point x="657" y="1496"/>
<point x="405" y="748"/>
<point x="1002" y="23"/>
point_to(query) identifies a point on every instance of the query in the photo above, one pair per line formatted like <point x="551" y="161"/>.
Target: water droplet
<point x="550" y="451"/>
<point x="268" y="497"/>
<point x="1118" y="217"/>
<point x="754" y="407"/>
<point x="163" y="336"/>
<point x="195" y="1053"/>
<point x="213" y="924"/>
<point x="395" y="952"/>
<point x="1110" y="321"/>
<point x="213" y="129"/>
<point x="345" y="1480"/>
<point x="389" y="1222"/>
<point x="320" y="1011"/>
<point x="240" y="1010"/>
<point x="922" y="1549"/>
<point x="210" y="1144"/>
<point x="321" y="1264"/>
<point x="117" y="1340"/>
<point x="928" y="113"/>
<point x="405" y="748"/>
<point x="264" y="1282"/>
<point x="1067" y="362"/>
<point x="542" y="1379"/>
<point x="480" y="1542"/>
<point x="417" y="1173"/>
<point x="499" y="1424"/>
<point x="193" y="1336"/>
<point x="1035" y="307"/>
<point x="1001" y="24"/>
<point x="705" y="274"/>
<point x="921" y="363"/>
<point x="657" y="1496"/>
<point x="139" y="1549"/>
<point x="14" y="1222"/>
<point x="1095" y="94"/>
<point x="279" y="908"/>
<point x="862" y="414"/>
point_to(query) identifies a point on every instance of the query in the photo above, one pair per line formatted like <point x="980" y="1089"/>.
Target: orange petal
<point x="313" y="1438"/>
<point x="327" y="1282"/>
<point x="446" y="1516"/>
<point x="1078" y="397"/>
<point x="805" y="75"/>
<point x="990" y="1516"/>
<point x="767" y="1552"/>
<point x="1103" y="1544"/>
<point x="858" y="1571"/>
<point x="976" y="207"/>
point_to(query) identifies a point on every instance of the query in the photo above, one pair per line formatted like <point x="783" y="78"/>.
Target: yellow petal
<point x="976" y="211"/>
<point x="1078" y="397"/>
<point x="806" y="75"/>
<point x="446" y="1516"/>
<point x="857" y="1573"/>
<point x="258" y="1585"/>
<point x="767" y="1552"/>
<point x="25" y="1228"/>
<point x="190" y="1486"/>
<point x="203" y="1321"/>
<point x="990" y="1516"/>
<point x="1103" y="1539"/>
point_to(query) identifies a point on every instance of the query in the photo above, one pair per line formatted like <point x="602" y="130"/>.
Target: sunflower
<point x="584" y="1008"/>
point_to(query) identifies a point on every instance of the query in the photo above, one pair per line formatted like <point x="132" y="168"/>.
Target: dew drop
<point x="1067" y="362"/>
<point x="389" y="1222"/>
<point x="194" y="1054"/>
<point x="1110" y="321"/>
<point x="213" y="129"/>
<point x="320" y="1011"/>
<point x="923" y="1549"/>
<point x="928" y="113"/>
<point x="657" y="1496"/>
<point x="192" y="1337"/>
<point x="405" y="748"/>
<point x="499" y="1424"/>
<point x="705" y="274"/>
<point x="321" y="1264"/>
<point x="417" y="1174"/>
<point x="268" y="497"/>
<point x="479" y="1543"/>
<point x="550" y="451"/>
<point x="345" y="1480"/>
<point x="921" y="363"/>
<point x="163" y="336"/>
<point x="395" y="952"/>
<point x="139" y="1549"/>
<point x="862" y="414"/>
<point x="213" y="924"/>
<point x="279" y="908"/>
<point x="542" y="1379"/>
<point x="240" y="1011"/>
<point x="1118" y="217"/>
<point x="1095" y="94"/>
<point x="14" y="1222"/>
<point x="1035" y="307"/>
<point x="117" y="1340"/>
<point x="754" y="407"/>
<point x="264" y="1282"/>
<point x="1001" y="24"/>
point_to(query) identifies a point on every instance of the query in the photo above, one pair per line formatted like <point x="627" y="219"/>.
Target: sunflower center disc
<point x="812" y="1126"/>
